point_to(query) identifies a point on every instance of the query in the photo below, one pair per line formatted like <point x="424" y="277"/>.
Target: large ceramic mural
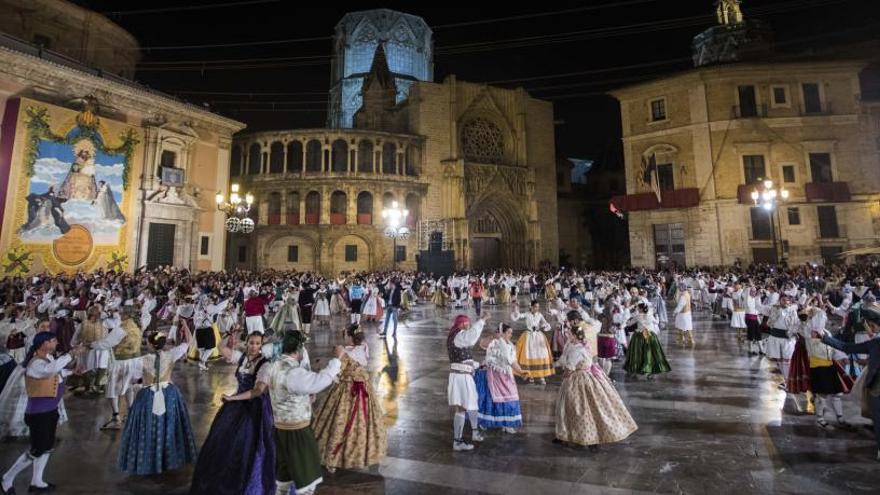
<point x="70" y="188"/>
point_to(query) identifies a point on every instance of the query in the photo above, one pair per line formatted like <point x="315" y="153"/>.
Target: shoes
<point x="593" y="448"/>
<point x="509" y="430"/>
<point x="11" y="490"/>
<point x="542" y="381"/>
<point x="113" y="424"/>
<point x="476" y="436"/>
<point x="203" y="366"/>
<point x="459" y="446"/>
<point x="42" y="489"/>
<point x="823" y="424"/>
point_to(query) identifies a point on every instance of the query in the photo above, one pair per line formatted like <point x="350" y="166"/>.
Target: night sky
<point x="570" y="57"/>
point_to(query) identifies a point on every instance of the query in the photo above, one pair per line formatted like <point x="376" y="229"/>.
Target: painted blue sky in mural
<point x="54" y="162"/>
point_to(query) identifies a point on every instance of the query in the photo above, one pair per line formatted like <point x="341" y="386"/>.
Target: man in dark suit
<point x="871" y="347"/>
<point x="392" y="306"/>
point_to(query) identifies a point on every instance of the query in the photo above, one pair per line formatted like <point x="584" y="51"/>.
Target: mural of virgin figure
<point x="80" y="180"/>
<point x="76" y="180"/>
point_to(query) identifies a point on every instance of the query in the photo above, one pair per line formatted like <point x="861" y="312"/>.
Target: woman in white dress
<point x="372" y="310"/>
<point x="322" y="306"/>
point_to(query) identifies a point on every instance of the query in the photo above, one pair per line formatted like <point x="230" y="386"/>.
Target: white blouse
<point x="575" y="354"/>
<point x="500" y="355"/>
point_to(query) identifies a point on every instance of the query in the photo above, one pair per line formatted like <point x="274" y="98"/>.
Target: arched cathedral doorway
<point x="497" y="235"/>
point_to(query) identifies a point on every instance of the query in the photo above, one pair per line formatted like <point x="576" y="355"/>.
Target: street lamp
<point x="237" y="210"/>
<point x="769" y="197"/>
<point x="395" y="227"/>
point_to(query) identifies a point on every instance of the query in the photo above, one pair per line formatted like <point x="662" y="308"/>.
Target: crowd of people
<point x="118" y="336"/>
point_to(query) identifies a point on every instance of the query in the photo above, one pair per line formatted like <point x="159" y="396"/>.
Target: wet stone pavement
<point x="716" y="424"/>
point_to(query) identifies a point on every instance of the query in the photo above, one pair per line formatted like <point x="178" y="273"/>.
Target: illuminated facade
<point x="97" y="171"/>
<point x="409" y="49"/>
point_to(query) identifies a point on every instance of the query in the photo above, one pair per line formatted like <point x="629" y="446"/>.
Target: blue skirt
<point x="152" y="444"/>
<point x="238" y="457"/>
<point x="495" y="414"/>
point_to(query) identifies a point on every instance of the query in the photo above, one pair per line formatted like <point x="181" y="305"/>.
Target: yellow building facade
<point x="716" y="132"/>
<point x="95" y="170"/>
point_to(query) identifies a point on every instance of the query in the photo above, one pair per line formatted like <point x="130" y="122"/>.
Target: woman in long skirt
<point x="499" y="398"/>
<point x="288" y="314"/>
<point x="372" y="310"/>
<point x="322" y="307"/>
<point x="532" y="347"/>
<point x="158" y="436"/>
<point x="645" y="355"/>
<point x="349" y="426"/>
<point x="238" y="457"/>
<point x="589" y="410"/>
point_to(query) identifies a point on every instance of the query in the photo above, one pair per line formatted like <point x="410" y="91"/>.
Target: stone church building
<point x="472" y="162"/>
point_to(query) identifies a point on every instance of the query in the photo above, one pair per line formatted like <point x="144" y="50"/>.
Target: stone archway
<point x="498" y="234"/>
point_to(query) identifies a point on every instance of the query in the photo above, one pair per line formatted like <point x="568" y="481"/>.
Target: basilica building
<point x="473" y="164"/>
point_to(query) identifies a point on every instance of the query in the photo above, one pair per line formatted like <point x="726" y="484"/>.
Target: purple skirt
<point x="607" y="346"/>
<point x="238" y="457"/>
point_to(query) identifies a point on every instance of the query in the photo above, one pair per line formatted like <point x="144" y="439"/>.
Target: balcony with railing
<point x="827" y="192"/>
<point x="677" y="198"/>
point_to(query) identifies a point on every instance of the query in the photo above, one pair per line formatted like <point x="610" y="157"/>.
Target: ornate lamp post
<point x="237" y="210"/>
<point x="395" y="221"/>
<point x="770" y="197"/>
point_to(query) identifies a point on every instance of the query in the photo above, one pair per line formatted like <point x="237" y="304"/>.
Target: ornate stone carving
<point x="482" y="141"/>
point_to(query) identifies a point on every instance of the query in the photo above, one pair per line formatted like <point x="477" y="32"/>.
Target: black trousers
<point x="42" y="426"/>
<point x="478" y="305"/>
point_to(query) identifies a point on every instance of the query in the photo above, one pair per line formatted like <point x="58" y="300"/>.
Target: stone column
<point x="324" y="216"/>
<point x="304" y="156"/>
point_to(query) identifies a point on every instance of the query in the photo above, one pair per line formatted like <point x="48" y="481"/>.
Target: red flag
<point x="615" y="210"/>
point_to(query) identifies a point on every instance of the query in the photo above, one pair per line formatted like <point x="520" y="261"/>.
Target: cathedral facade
<point x="472" y="163"/>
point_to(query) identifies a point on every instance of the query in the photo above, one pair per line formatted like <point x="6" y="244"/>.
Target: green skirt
<point x="645" y="356"/>
<point x="297" y="458"/>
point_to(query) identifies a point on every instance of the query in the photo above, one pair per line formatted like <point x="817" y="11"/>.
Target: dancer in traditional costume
<point x="125" y="367"/>
<point x="372" y="310"/>
<point x="158" y="436"/>
<point x="532" y="348"/>
<point x="307" y="305"/>
<point x="287" y="315"/>
<point x="496" y="387"/>
<point x="238" y="457"/>
<point x="14" y="397"/>
<point x="828" y="380"/>
<point x="322" y="306"/>
<point x="291" y="384"/>
<point x="589" y="411"/>
<point x="645" y="355"/>
<point x="44" y="379"/>
<point x="684" y="323"/>
<point x="461" y="390"/>
<point x="254" y="309"/>
<point x="349" y="425"/>
<point x="780" y="346"/>
<point x="356" y="298"/>
<point x="207" y="334"/>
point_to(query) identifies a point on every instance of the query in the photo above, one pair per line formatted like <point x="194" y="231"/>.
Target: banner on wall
<point x="69" y="194"/>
